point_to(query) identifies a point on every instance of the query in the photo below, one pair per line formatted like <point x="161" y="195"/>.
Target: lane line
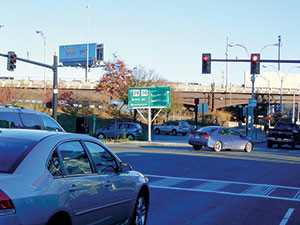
<point x="287" y="216"/>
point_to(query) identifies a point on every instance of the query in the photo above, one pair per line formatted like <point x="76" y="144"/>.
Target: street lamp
<point x="239" y="45"/>
<point x="42" y="35"/>
<point x="276" y="44"/>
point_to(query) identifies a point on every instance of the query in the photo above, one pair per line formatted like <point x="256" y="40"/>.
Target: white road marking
<point x="287" y="216"/>
<point x="260" y="190"/>
<point x="166" y="182"/>
<point x="211" y="186"/>
<point x="227" y="188"/>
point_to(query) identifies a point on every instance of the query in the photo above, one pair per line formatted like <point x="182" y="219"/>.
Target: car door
<point x="83" y="183"/>
<point x="224" y="137"/>
<point x="110" y="131"/>
<point x="236" y="141"/>
<point x="118" y="190"/>
<point x="164" y="127"/>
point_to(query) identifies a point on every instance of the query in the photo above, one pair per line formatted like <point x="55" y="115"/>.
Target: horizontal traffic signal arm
<point x="30" y="61"/>
<point x="261" y="60"/>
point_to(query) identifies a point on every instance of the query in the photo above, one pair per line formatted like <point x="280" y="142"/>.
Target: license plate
<point x="279" y="139"/>
<point x="197" y="137"/>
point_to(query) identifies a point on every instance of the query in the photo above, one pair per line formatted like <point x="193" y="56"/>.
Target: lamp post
<point x="42" y="35"/>
<point x="269" y="96"/>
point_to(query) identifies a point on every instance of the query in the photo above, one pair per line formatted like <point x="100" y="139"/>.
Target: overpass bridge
<point x="217" y="96"/>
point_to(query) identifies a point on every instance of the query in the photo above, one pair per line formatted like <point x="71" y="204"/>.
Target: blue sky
<point x="168" y="36"/>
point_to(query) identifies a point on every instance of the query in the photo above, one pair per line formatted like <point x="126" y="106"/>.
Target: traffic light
<point x="11" y="61"/>
<point x="255" y="63"/>
<point x="206" y="66"/>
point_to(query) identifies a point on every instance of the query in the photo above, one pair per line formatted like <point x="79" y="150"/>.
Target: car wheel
<point x="248" y="147"/>
<point x="101" y="136"/>
<point x="183" y="134"/>
<point x="140" y="212"/>
<point x="197" y="147"/>
<point x="270" y="144"/>
<point x="130" y="136"/>
<point x="174" y="132"/>
<point x="218" y="146"/>
<point x="157" y="131"/>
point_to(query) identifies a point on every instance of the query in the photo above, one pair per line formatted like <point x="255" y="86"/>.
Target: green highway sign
<point x="149" y="97"/>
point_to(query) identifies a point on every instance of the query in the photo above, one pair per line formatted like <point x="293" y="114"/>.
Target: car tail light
<point x="6" y="205"/>
<point x="267" y="132"/>
<point x="192" y="134"/>
<point x="206" y="136"/>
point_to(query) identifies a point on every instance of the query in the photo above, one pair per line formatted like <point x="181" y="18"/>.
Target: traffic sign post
<point x="149" y="98"/>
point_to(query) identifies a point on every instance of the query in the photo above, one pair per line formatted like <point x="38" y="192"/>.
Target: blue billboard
<point x="76" y="55"/>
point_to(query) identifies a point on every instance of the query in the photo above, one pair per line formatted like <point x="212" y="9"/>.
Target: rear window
<point x="30" y="121"/>
<point x="12" y="152"/>
<point x="8" y="120"/>
<point x="207" y="129"/>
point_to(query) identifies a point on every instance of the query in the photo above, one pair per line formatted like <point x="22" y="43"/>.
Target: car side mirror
<point x="125" y="167"/>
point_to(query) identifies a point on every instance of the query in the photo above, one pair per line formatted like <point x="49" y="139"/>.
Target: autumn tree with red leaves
<point x="116" y="80"/>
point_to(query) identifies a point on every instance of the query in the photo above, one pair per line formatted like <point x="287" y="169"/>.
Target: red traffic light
<point x="254" y="58"/>
<point x="269" y="118"/>
<point x="205" y="58"/>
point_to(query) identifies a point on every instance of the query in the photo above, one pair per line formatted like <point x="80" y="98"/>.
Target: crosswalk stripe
<point x="211" y="186"/>
<point x="226" y="187"/>
<point x="166" y="182"/>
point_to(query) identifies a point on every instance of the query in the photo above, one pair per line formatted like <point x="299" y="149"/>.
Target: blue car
<point x="57" y="178"/>
<point x="219" y="138"/>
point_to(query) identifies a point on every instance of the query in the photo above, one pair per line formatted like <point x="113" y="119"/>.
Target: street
<point x="206" y="187"/>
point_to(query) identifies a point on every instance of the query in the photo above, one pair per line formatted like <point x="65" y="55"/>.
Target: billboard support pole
<point x="149" y="125"/>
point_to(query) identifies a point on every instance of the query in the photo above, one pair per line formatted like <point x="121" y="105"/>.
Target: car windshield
<point x="12" y="152"/>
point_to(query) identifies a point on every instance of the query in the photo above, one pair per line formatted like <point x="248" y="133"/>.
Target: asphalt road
<point x="206" y="187"/>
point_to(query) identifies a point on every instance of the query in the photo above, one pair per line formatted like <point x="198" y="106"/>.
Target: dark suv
<point x="13" y="116"/>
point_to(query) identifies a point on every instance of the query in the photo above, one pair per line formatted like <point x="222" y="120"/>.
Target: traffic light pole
<point x="252" y="108"/>
<point x="55" y="85"/>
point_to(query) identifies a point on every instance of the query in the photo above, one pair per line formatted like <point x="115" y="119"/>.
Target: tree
<point x="115" y="81"/>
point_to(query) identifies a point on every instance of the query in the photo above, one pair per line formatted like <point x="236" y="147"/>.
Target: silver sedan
<point x="64" y="179"/>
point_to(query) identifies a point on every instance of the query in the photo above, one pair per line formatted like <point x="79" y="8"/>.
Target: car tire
<point x="183" y="134"/>
<point x="270" y="144"/>
<point x="248" y="147"/>
<point x="197" y="147"/>
<point x="218" y="146"/>
<point x="130" y="137"/>
<point x="101" y="136"/>
<point x="157" y="131"/>
<point x="174" y="132"/>
<point x="140" y="212"/>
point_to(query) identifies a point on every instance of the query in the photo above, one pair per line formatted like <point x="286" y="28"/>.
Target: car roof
<point x="27" y="134"/>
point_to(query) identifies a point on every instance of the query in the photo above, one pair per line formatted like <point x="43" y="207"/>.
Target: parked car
<point x="284" y="132"/>
<point x="13" y="116"/>
<point x="121" y="129"/>
<point x="173" y="127"/>
<point x="58" y="178"/>
<point x="219" y="138"/>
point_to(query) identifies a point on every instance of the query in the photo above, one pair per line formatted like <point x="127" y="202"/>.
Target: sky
<point x="168" y="36"/>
